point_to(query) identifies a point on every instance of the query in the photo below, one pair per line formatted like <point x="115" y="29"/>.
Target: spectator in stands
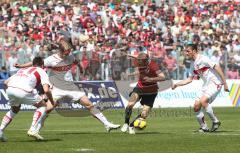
<point x="12" y="60"/>
<point x="154" y="26"/>
<point x="84" y="63"/>
<point x="171" y="65"/>
<point x="216" y="57"/>
<point x="233" y="73"/>
<point x="4" y="73"/>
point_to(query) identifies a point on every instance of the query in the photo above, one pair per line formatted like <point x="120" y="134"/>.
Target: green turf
<point x="168" y="131"/>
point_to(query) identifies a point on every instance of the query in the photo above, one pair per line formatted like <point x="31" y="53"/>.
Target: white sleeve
<point x="209" y="62"/>
<point x="48" y="62"/>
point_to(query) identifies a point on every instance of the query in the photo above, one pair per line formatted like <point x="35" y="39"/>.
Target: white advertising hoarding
<point x="185" y="96"/>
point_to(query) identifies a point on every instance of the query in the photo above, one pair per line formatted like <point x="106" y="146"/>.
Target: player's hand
<point x="17" y="65"/>
<point x="174" y="86"/>
<point x="147" y="79"/>
<point x="226" y="87"/>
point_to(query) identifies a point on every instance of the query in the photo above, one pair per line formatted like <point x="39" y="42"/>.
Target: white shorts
<point x="58" y="93"/>
<point x="211" y="91"/>
<point x="19" y="96"/>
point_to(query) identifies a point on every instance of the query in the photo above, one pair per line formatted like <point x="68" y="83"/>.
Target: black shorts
<point x="145" y="98"/>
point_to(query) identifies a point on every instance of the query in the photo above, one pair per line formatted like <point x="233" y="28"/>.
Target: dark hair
<point x="193" y="46"/>
<point x="38" y="61"/>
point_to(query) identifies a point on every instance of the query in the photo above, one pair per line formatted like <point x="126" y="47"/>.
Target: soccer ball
<point x="140" y="123"/>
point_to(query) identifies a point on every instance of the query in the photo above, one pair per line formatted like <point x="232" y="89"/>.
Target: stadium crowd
<point x="97" y="29"/>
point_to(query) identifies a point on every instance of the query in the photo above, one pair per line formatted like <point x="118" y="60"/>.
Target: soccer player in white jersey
<point x="59" y="65"/>
<point x="213" y="78"/>
<point x="21" y="90"/>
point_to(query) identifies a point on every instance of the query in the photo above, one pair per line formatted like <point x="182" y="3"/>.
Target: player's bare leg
<point x="97" y="114"/>
<point x="7" y="120"/>
<point x="128" y="111"/>
<point x="208" y="108"/>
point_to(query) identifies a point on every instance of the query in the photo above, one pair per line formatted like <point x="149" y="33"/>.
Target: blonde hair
<point x="64" y="45"/>
<point x="143" y="56"/>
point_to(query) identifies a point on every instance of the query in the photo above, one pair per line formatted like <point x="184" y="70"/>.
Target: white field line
<point x="82" y="149"/>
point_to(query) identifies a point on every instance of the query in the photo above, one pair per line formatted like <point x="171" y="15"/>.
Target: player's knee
<point x="204" y="104"/>
<point x="196" y="107"/>
<point x="144" y="114"/>
<point x="130" y="104"/>
<point x="86" y="102"/>
<point x="89" y="106"/>
<point x="134" y="97"/>
<point x="49" y="109"/>
<point x="204" y="101"/>
<point x="15" y="109"/>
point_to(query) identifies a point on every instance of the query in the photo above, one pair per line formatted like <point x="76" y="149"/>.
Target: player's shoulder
<point x="41" y="70"/>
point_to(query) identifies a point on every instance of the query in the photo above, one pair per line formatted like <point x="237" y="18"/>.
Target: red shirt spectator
<point x="232" y="74"/>
<point x="84" y="62"/>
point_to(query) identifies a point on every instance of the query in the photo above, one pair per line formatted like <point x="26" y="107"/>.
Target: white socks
<point x="200" y="119"/>
<point x="37" y="119"/>
<point x="210" y="113"/>
<point x="7" y="119"/>
<point x="200" y="116"/>
<point x="96" y="113"/>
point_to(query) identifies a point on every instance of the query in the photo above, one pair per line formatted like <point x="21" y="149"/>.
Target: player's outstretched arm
<point x="183" y="82"/>
<point x="220" y="72"/>
<point x="23" y="65"/>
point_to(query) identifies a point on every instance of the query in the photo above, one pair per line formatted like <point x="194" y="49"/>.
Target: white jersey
<point x="61" y="77"/>
<point x="58" y="65"/>
<point x="28" y="78"/>
<point x="203" y="67"/>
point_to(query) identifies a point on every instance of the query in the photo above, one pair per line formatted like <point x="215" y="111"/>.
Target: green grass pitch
<point x="168" y="131"/>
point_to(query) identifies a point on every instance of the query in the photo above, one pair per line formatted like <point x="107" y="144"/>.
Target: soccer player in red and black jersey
<point x="146" y="90"/>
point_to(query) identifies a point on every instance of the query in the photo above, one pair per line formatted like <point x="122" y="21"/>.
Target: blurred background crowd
<point x="97" y="29"/>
